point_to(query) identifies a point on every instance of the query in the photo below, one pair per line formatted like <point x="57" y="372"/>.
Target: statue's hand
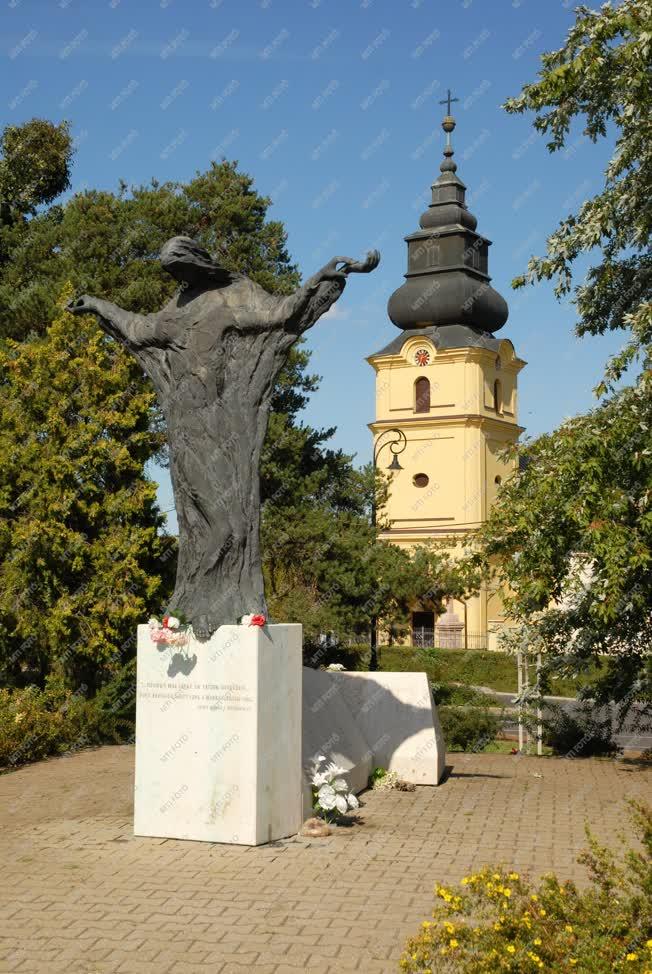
<point x="370" y="263"/>
<point x="334" y="270"/>
<point x="83" y="305"/>
<point x="338" y="267"/>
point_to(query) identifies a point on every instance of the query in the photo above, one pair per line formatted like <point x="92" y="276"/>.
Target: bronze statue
<point x="214" y="353"/>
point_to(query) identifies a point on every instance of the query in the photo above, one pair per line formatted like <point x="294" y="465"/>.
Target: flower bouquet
<point x="257" y="619"/>
<point x="171" y="631"/>
<point x="331" y="795"/>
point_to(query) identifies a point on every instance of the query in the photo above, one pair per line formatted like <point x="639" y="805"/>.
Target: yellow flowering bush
<point x="496" y="921"/>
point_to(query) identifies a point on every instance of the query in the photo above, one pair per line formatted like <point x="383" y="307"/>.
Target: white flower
<point x="335" y="667"/>
<point x="340" y="785"/>
<point x="153" y="623"/>
<point x="320" y="778"/>
<point x="334" y="770"/>
<point x="319" y="759"/>
<point x="327" y="798"/>
<point x="173" y="622"/>
<point x="352" y="800"/>
<point x="246" y="620"/>
<point x="340" y="804"/>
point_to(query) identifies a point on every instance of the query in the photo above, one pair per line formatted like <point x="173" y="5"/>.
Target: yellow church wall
<point x="461" y="464"/>
<point x="445" y="500"/>
<point x="496" y="466"/>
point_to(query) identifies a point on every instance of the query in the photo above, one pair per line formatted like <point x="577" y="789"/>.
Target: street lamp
<point x="396" y="446"/>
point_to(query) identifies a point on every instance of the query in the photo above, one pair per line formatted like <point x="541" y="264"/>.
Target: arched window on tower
<point x="498" y="397"/>
<point x="422" y="395"/>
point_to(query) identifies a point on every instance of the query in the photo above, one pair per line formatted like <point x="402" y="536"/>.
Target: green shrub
<point x="578" y="734"/>
<point x="351" y="657"/>
<point x="36" y="723"/>
<point x="114" y="706"/>
<point x="468" y="728"/>
<point x="453" y="695"/>
<point x="498" y="922"/>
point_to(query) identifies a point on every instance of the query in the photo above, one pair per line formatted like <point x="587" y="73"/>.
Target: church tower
<point x="446" y="398"/>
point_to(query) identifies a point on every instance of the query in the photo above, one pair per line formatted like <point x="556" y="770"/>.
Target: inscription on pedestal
<point x="207" y="696"/>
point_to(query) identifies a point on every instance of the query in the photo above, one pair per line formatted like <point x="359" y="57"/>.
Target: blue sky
<point x="332" y="107"/>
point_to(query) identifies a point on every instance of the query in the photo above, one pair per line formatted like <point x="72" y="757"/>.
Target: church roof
<point x="447" y="281"/>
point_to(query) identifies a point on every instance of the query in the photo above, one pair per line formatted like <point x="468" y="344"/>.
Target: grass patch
<point x="500" y="747"/>
<point x="503" y="746"/>
<point x="477" y="667"/>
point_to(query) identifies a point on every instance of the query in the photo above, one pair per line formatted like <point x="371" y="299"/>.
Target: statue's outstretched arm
<point x="133" y="330"/>
<point x="302" y="309"/>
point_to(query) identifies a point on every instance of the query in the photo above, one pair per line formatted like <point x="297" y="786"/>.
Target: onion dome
<point x="447" y="282"/>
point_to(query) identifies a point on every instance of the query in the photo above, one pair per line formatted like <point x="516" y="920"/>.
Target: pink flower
<point x="258" y="620"/>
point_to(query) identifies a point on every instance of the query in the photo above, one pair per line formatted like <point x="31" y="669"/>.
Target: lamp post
<point x="396" y="446"/>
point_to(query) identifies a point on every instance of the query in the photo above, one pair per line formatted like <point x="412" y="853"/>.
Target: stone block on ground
<point x="366" y="720"/>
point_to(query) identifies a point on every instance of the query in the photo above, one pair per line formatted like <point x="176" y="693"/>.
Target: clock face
<point x="422" y="356"/>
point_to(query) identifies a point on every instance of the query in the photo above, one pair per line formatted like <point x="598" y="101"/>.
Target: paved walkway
<point x="79" y="894"/>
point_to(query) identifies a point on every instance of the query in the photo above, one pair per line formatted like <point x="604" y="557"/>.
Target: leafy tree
<point x="34" y="168"/>
<point x="81" y="557"/>
<point x="571" y="531"/>
<point x="603" y="74"/>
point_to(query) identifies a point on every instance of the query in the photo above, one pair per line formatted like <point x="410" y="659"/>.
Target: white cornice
<point x="450" y="419"/>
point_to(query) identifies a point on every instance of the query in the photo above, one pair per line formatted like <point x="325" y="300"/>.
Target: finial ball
<point x="448" y="124"/>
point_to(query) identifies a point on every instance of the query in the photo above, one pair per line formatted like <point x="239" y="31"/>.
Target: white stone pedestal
<point x="218" y="736"/>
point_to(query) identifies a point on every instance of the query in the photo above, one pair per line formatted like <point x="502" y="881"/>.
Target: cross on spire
<point x="447" y="101"/>
<point x="449" y="122"/>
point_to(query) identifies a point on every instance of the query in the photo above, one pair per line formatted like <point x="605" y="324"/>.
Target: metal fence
<point x="448" y="640"/>
<point x="426" y="638"/>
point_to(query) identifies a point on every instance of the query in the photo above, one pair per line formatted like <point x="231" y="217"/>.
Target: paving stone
<point x="82" y="895"/>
